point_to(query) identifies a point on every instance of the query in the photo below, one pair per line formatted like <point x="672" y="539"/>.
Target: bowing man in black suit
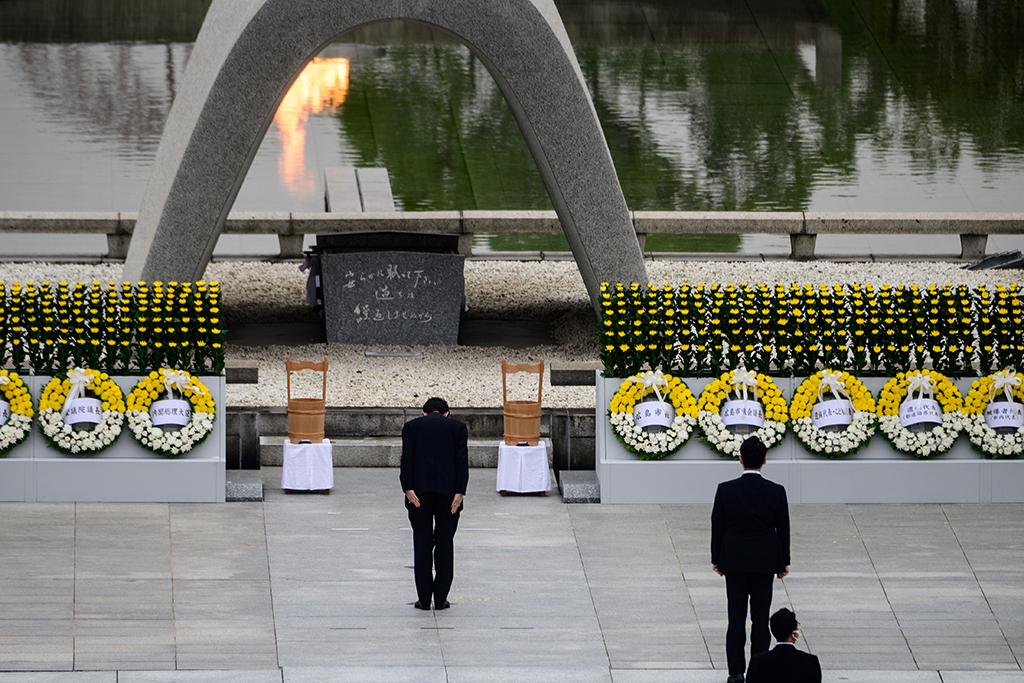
<point x="434" y="475"/>
<point x="785" y="663"/>
<point x="749" y="546"/>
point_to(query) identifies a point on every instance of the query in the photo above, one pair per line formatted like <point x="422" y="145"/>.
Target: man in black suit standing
<point x="785" y="663"/>
<point x="750" y="547"/>
<point x="434" y="475"/>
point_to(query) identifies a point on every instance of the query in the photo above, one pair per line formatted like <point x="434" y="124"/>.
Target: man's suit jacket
<point x="435" y="455"/>
<point x="784" y="664"/>
<point x="750" y="526"/>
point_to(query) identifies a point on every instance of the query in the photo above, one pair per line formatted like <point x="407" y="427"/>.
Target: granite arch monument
<point x="249" y="52"/>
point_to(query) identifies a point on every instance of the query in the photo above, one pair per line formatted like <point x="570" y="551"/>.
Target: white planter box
<point x="876" y="474"/>
<point x="124" y="472"/>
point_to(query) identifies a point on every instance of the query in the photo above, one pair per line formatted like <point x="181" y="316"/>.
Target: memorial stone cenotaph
<point x="249" y="52"/>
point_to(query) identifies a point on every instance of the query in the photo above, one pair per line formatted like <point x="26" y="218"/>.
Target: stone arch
<point x="249" y="52"/>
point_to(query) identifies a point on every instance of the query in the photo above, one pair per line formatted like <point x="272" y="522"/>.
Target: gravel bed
<point x="260" y="292"/>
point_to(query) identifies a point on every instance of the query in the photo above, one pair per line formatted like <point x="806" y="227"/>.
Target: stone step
<point x="243" y="485"/>
<point x="580" y="486"/>
<point x="376" y="451"/>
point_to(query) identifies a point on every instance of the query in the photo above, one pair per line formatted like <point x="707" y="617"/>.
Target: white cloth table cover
<point x="307" y="466"/>
<point x="523" y="469"/>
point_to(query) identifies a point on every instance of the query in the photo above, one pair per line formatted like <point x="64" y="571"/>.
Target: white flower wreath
<point x="840" y="385"/>
<point x="652" y="445"/>
<point x="717" y="435"/>
<point x="19" y="422"/>
<point x="991" y="443"/>
<point x="56" y="399"/>
<point x="172" y="443"/>
<point x="928" y="383"/>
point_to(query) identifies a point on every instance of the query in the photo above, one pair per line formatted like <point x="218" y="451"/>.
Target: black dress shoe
<point x="736" y="678"/>
<point x="419" y="605"/>
<point x="446" y="605"/>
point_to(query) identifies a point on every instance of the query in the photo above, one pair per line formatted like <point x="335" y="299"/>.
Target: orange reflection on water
<point x="321" y="86"/>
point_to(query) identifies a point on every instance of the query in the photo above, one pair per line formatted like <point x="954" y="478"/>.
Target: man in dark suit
<point x="749" y="546"/>
<point x="434" y="475"/>
<point x="785" y="663"/>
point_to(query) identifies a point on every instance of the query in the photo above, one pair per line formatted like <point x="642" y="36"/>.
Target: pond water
<point x="831" y="105"/>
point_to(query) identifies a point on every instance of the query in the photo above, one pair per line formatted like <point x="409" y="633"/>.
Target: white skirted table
<point x="523" y="469"/>
<point x="308" y="467"/>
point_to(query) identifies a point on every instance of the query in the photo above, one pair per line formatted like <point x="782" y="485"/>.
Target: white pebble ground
<point x="260" y="292"/>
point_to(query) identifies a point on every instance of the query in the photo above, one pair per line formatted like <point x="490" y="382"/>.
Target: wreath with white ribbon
<point x="56" y="402"/>
<point x="739" y="382"/>
<point x="173" y="384"/>
<point x="18" y="411"/>
<point x="653" y="445"/>
<point x="984" y="438"/>
<point x="930" y="385"/>
<point x="812" y="392"/>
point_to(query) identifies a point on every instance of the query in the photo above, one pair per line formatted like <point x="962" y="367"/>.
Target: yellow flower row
<point x="807" y="395"/>
<point x="17" y="394"/>
<point x="896" y="389"/>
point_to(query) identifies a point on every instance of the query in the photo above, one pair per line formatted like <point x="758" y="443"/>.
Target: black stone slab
<point x="392" y="297"/>
<point x="387" y="240"/>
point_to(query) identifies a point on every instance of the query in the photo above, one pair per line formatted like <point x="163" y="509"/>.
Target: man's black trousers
<point x="756" y="589"/>
<point x="433" y="528"/>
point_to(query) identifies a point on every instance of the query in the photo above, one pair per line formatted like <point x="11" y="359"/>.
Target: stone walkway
<point x="307" y="587"/>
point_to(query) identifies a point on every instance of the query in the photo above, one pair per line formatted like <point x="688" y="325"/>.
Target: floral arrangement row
<point x="125" y="329"/>
<point x="832" y="413"/>
<point x="796" y="330"/>
<point x="84" y="412"/>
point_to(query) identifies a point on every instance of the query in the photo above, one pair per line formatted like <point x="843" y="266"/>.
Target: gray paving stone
<point x="254" y="676"/>
<point x="534" y="674"/>
<point x="59" y="677"/>
<point x="949" y="676"/>
<point x="364" y="674"/>
<point x="855" y="676"/>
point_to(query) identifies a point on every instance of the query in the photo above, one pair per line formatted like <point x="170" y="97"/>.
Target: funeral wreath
<point x="61" y="408"/>
<point x="741" y="397"/>
<point x="995" y="426"/>
<point x="905" y="419"/>
<point x="15" y="411"/>
<point x="653" y="429"/>
<point x="187" y="409"/>
<point x="832" y="413"/>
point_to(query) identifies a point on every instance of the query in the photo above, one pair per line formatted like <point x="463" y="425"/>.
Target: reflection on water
<point x="320" y="87"/>
<point x="831" y="105"/>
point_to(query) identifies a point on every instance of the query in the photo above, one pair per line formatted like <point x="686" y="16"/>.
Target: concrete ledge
<point x="241" y="372"/>
<point x="574" y="374"/>
<point x="510" y="221"/>
<point x="243" y="485"/>
<point x="914" y="223"/>
<point x="60" y="222"/>
<point x="580" y="486"/>
<point x="718" y="222"/>
<point x="264" y="223"/>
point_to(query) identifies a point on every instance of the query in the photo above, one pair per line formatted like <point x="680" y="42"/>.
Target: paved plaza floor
<point x="307" y="588"/>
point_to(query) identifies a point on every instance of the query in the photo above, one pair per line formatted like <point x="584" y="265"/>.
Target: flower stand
<point x="124" y="471"/>
<point x="875" y="474"/>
